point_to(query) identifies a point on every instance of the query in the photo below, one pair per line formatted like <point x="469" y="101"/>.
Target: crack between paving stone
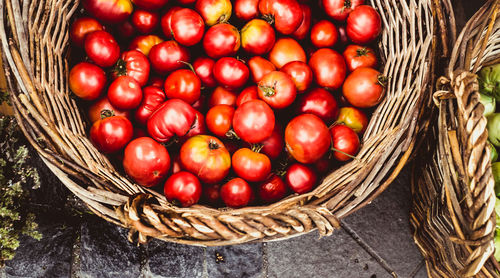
<point x="265" y="263"/>
<point x="368" y="249"/>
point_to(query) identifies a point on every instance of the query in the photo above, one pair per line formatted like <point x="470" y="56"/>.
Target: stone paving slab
<point x="243" y="261"/>
<point x="166" y="259"/>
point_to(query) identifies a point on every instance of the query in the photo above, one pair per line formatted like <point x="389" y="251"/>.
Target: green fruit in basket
<point x="495" y="168"/>
<point x="489" y="81"/>
<point x="493" y="153"/>
<point x="489" y="104"/>
<point x="494" y="129"/>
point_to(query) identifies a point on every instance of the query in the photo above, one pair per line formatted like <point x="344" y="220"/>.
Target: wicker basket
<point x="453" y="208"/>
<point x="34" y="39"/>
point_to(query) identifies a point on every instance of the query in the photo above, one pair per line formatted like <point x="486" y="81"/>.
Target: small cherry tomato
<point x="144" y="43"/>
<point x="247" y="94"/>
<point x="222" y="96"/>
<point x="165" y="21"/>
<point x="324" y="34"/>
<point x="353" y="118"/>
<point x="307" y="138"/>
<point x="203" y="67"/>
<point x="214" y="11"/>
<point x="273" y="189"/>
<point x="301" y="74"/>
<point x="251" y="166"/>
<point x="303" y="30"/>
<point x="221" y="40"/>
<point x="187" y="27"/>
<point x="134" y="64"/>
<point x="344" y="141"/>
<point x="183" y="84"/>
<point x="363" y="24"/>
<point x="102" y="48"/>
<point x="273" y="146"/>
<point x="257" y="37"/>
<point x="81" y="28"/>
<point x="168" y="56"/>
<point x="259" y="67"/>
<point x="328" y="67"/>
<point x="359" y="57"/>
<point x="144" y="21"/>
<point x="364" y="87"/>
<point x="152" y="99"/>
<point x="253" y="121"/>
<point x="102" y="104"/>
<point x="87" y="81"/>
<point x="230" y="72"/>
<point x="236" y="193"/>
<point x="109" y="11"/>
<point x="246" y="9"/>
<point x="220" y="119"/>
<point x="300" y="178"/>
<point x="319" y="102"/>
<point x="111" y="133"/>
<point x="183" y="188"/>
<point x="277" y="89"/>
<point x="125" y="93"/>
<point x="340" y="9"/>
<point x="286" y="50"/>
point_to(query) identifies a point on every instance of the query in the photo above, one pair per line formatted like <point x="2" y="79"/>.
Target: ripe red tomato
<point x="273" y="189"/>
<point x="303" y="30"/>
<point x="198" y="128"/>
<point x="363" y="24"/>
<point x="286" y="14"/>
<point x="187" y="27"/>
<point x="328" y="67"/>
<point x="286" y="50"/>
<point x="203" y="67"/>
<point x="273" y="146"/>
<point x="246" y="9"/>
<point x="146" y="161"/>
<point x="173" y="118"/>
<point x="343" y="39"/>
<point x="109" y="11"/>
<point x="165" y="56"/>
<point x="214" y="11"/>
<point x="307" y="138"/>
<point x="323" y="165"/>
<point x="249" y="93"/>
<point x="111" y="134"/>
<point x="236" y="193"/>
<point x="182" y="189"/>
<point x="206" y="157"/>
<point x="353" y="118"/>
<point x="87" y="81"/>
<point x="165" y="21"/>
<point x="257" y="37"/>
<point x="251" y="166"/>
<point x="260" y="67"/>
<point x="211" y="194"/>
<point x="134" y="64"/>
<point x="319" y="102"/>
<point x="324" y="34"/>
<point x="230" y="72"/>
<point x="156" y="81"/>
<point x="300" y="73"/>
<point x="359" y="57"/>
<point x="125" y="93"/>
<point x="300" y="178"/>
<point x="364" y="87"/>
<point x="253" y="121"/>
<point x="150" y="4"/>
<point x="221" y="40"/>
<point x="145" y="21"/>
<point x="277" y="89"/>
<point x="345" y="140"/>
<point x="81" y="28"/>
<point x="102" y="48"/>
<point x="340" y="9"/>
<point x="222" y="96"/>
<point x="144" y="43"/>
<point x="125" y="30"/>
<point x="97" y="107"/>
<point x="220" y="119"/>
<point x="183" y="84"/>
<point x="152" y="99"/>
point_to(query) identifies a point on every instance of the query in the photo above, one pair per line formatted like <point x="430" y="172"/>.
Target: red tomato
<point x="206" y="157"/>
<point x="146" y="161"/>
<point x="251" y="166"/>
<point x="183" y="84"/>
<point x="343" y="39"/>
<point x="323" y="165"/>
<point x="211" y="194"/>
<point x="152" y="99"/>
<point x="277" y="89"/>
<point x="363" y="24"/>
<point x="324" y="34"/>
<point x="307" y="138"/>
<point x="102" y="48"/>
<point x="125" y="93"/>
<point x="260" y="67"/>
<point x="230" y="72"/>
<point x="176" y="165"/>
<point x="165" y="21"/>
<point x="187" y="27"/>
<point x="236" y="193"/>
<point x="109" y="11"/>
<point x="319" y="102"/>
<point x="150" y="4"/>
<point x="214" y="11"/>
<point x="221" y="40"/>
<point x="273" y="146"/>
<point x="300" y="178"/>
<point x="344" y="141"/>
<point x="253" y="121"/>
<point x="364" y="87"/>
<point x="87" y="81"/>
<point x="359" y="57"/>
<point x="286" y="14"/>
<point x="286" y="50"/>
<point x="303" y="30"/>
<point x="246" y="9"/>
<point x="272" y="190"/>
<point x="145" y="21"/>
<point x="301" y="74"/>
<point x="126" y="30"/>
<point x="134" y="64"/>
<point x="144" y="43"/>
<point x="198" y="127"/>
<point x="247" y="94"/>
<point x="353" y="118"/>
<point x="173" y="118"/>
<point x="156" y="81"/>
<point x="222" y="96"/>
<point x="220" y="119"/>
<point x="97" y="107"/>
<point x="165" y="56"/>
<point x="81" y="28"/>
<point x="111" y="134"/>
<point x="203" y="67"/>
<point x="182" y="189"/>
<point x="340" y="9"/>
<point x="328" y="67"/>
<point x="257" y="37"/>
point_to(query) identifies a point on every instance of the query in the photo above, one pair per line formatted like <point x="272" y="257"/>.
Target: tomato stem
<point x="344" y="153"/>
<point x="176" y="203"/>
<point x="347" y="5"/>
<point x="269" y="91"/>
<point x="231" y="134"/>
<point x="382" y="80"/>
<point x="362" y="51"/>
<point x="106" y="113"/>
<point x="213" y="145"/>
<point x="269" y="18"/>
<point x="257" y="147"/>
<point x="120" y="68"/>
<point x="187" y="64"/>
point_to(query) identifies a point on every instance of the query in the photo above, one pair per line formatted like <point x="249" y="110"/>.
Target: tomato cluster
<point x="227" y="102"/>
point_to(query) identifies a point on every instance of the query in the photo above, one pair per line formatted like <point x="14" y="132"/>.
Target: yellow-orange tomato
<point x="286" y="50"/>
<point x="145" y="43"/>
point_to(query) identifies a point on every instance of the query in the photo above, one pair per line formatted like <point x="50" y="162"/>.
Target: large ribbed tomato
<point x="152" y="98"/>
<point x="173" y="118"/>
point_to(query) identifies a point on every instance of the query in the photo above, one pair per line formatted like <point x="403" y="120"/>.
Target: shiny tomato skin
<point x="109" y="11"/>
<point x="206" y="157"/>
<point x="277" y="89"/>
<point x="340" y="9"/>
<point x="145" y="21"/>
<point x="328" y="67"/>
<point x="173" y="118"/>
<point x="152" y="98"/>
<point x="359" y="57"/>
<point x="165" y="21"/>
<point x="236" y="193"/>
<point x="150" y="4"/>
<point x="222" y="96"/>
<point x="343" y="39"/>
<point x="307" y="138"/>
<point x="87" y="81"/>
<point x="286" y="14"/>
<point x="146" y="161"/>
<point x="251" y="166"/>
<point x="95" y="110"/>
<point x="81" y="28"/>
<point x="165" y="56"/>
<point x="272" y="190"/>
<point x="353" y="118"/>
<point x="254" y="121"/>
<point x="247" y="94"/>
<point x="301" y="74"/>
<point x="257" y="37"/>
<point x="214" y="11"/>
<point x="183" y="84"/>
<point x="260" y="67"/>
<point x="134" y="64"/>
<point x="221" y="40"/>
<point x="145" y="43"/>
<point x="111" y="134"/>
<point x="324" y="34"/>
<point x="187" y="27"/>
<point x="300" y="178"/>
<point x="203" y="67"/>
<point x="102" y="48"/>
<point x="125" y="93"/>
<point x="319" y="102"/>
<point x="363" y="88"/>
<point x="273" y="146"/>
<point x="183" y="188"/>
<point x="363" y="24"/>
<point x="198" y="128"/>
<point x="220" y="119"/>
<point x="305" y="26"/>
<point x="230" y="72"/>
<point x="346" y="140"/>
<point x="246" y="9"/>
<point x="286" y="50"/>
